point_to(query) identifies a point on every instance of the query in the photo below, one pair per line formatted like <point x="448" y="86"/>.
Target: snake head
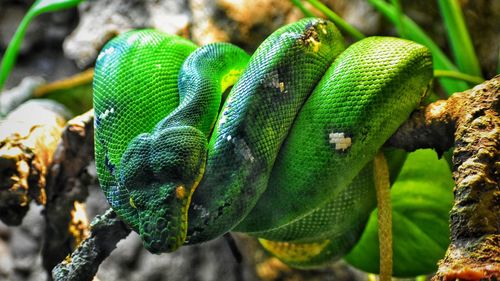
<point x="161" y="171"/>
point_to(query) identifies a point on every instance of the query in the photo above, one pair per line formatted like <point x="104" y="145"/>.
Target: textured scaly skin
<point x="380" y="81"/>
<point x="255" y="120"/>
<point x="373" y="86"/>
<point x="296" y="173"/>
<point x="128" y="86"/>
<point x="161" y="166"/>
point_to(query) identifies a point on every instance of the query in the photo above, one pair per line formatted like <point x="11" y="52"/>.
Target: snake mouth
<point x="163" y="218"/>
<point x="160" y="172"/>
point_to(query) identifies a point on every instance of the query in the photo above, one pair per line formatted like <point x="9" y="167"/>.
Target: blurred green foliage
<point x="39" y="7"/>
<point x="421" y="197"/>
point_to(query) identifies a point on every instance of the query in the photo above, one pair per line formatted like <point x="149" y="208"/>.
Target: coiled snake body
<point x="287" y="157"/>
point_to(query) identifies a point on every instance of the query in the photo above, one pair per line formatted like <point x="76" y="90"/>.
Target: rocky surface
<point x="245" y="23"/>
<point x="20" y="248"/>
<point x="20" y="257"/>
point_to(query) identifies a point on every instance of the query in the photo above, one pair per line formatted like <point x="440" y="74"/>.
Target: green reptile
<point x="287" y="156"/>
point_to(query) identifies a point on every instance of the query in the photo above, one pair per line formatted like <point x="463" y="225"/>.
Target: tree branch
<point x="470" y="121"/>
<point x="67" y="182"/>
<point x="474" y="252"/>
<point x="27" y="146"/>
<point x="106" y="231"/>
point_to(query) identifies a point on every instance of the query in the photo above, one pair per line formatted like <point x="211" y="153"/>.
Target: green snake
<point x="194" y="142"/>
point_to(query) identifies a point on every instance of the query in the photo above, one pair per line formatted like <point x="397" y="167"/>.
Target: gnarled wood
<point x="470" y="121"/>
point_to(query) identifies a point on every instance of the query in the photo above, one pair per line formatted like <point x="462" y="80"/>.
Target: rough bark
<point x="474" y="252"/>
<point x="106" y="231"/>
<point x="27" y="146"/>
<point x="470" y="122"/>
<point x="67" y="184"/>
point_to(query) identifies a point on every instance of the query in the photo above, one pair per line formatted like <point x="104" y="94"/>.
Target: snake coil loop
<point x="288" y="157"/>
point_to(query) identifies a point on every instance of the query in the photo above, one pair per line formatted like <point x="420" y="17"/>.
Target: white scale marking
<point x="223" y="119"/>
<point x="106" y="52"/>
<point x="106" y="113"/>
<point x="341" y="142"/>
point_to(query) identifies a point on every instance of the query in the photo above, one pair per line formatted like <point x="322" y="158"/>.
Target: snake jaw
<point x="162" y="216"/>
<point x="160" y="172"/>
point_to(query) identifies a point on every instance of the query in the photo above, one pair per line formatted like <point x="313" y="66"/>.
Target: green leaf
<point x="77" y="99"/>
<point x="302" y="8"/>
<point x="43" y="6"/>
<point x="39" y="7"/>
<point x="458" y="35"/>
<point x="421" y="200"/>
<point x="415" y="33"/>
<point x="399" y="18"/>
<point x="459" y="76"/>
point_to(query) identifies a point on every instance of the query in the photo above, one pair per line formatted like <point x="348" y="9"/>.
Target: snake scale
<point x="194" y="142"/>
